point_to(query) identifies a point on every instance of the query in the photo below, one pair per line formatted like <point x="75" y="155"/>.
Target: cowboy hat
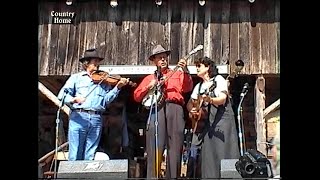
<point x="90" y="54"/>
<point x="158" y="50"/>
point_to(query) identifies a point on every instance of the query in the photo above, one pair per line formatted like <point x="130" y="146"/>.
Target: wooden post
<point x="259" y="118"/>
<point x="271" y="108"/>
<point x="53" y="98"/>
<point x="56" y="101"/>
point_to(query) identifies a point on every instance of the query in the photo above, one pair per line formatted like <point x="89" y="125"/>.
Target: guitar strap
<point x="210" y="127"/>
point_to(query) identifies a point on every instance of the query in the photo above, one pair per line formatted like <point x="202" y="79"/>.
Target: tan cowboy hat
<point x="158" y="50"/>
<point x="90" y="54"/>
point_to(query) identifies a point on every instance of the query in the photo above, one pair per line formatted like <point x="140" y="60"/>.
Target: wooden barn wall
<point x="228" y="29"/>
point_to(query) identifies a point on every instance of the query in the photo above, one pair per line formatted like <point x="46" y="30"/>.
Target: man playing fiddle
<point x="170" y="113"/>
<point x="87" y="100"/>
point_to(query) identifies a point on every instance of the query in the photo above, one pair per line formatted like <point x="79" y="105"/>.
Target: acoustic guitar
<point x="201" y="112"/>
<point x="197" y="103"/>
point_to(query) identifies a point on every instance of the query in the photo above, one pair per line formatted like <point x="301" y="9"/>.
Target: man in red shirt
<point x="171" y="121"/>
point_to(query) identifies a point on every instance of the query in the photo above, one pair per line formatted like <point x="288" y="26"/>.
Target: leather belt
<point x="88" y="111"/>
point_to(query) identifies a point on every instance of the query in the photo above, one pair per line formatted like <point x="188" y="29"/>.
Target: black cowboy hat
<point x="90" y="54"/>
<point x="158" y="50"/>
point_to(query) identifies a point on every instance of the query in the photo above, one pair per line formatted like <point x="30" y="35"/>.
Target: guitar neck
<point x="177" y="67"/>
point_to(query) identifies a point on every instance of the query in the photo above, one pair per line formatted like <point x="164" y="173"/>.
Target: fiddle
<point x="100" y="76"/>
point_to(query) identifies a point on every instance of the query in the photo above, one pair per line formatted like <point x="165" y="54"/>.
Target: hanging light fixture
<point x="202" y="2"/>
<point x="158" y="2"/>
<point x="251" y="1"/>
<point x="113" y="3"/>
<point x="69" y="2"/>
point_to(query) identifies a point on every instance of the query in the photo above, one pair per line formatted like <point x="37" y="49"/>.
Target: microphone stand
<point x="240" y="123"/>
<point x="156" y="122"/>
<point x="57" y="133"/>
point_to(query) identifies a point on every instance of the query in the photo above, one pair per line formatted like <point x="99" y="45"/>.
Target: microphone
<point x="65" y="92"/>
<point x="244" y="89"/>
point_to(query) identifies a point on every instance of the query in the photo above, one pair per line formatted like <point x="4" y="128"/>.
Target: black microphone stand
<point x="240" y="122"/>
<point x="154" y="104"/>
<point x="57" y="132"/>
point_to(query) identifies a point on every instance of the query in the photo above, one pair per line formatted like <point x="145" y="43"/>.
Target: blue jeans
<point x="84" y="135"/>
<point x="194" y="151"/>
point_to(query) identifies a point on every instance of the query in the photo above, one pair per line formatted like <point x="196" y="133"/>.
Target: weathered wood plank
<point x="53" y="49"/>
<point x="260" y="124"/>
<point x="117" y="33"/>
<point x="154" y="30"/>
<point x="51" y="153"/>
<point x="90" y="11"/>
<point x="77" y="45"/>
<point x="53" y="44"/>
<point x="158" y="27"/>
<point x="63" y="41"/>
<point x="123" y="40"/>
<point x="149" y="31"/>
<point x="44" y="44"/>
<point x="277" y="31"/>
<point x="143" y="18"/>
<point x="244" y="43"/>
<point x="234" y="35"/>
<point x="53" y="98"/>
<point x="175" y="31"/>
<point x="41" y="34"/>
<point x="50" y="84"/>
<point x="255" y="41"/>
<point x="143" y="31"/>
<point x="71" y="50"/>
<point x="221" y="26"/>
<point x="207" y="42"/>
<point x="101" y="44"/>
<point x="133" y="46"/>
<point x="186" y="41"/>
<point x="271" y="108"/>
<point x="110" y="34"/>
<point x="265" y="58"/>
<point x="165" y="20"/>
<point x="198" y="29"/>
<point x="225" y="26"/>
<point x="271" y="34"/>
<point x="82" y="30"/>
<point x="216" y="15"/>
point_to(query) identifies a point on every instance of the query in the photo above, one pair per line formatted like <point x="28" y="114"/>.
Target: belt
<point x="88" y="111"/>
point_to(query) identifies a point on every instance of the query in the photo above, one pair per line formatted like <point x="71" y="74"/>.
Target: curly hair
<point x="207" y="62"/>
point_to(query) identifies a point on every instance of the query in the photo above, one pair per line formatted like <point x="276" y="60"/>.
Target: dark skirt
<point x="220" y="140"/>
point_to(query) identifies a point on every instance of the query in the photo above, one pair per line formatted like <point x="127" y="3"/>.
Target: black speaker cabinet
<point x="95" y="169"/>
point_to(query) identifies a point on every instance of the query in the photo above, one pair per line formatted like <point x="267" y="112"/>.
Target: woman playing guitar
<point x="218" y="137"/>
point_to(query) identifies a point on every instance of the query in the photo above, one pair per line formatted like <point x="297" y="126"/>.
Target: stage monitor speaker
<point x="228" y="169"/>
<point x="95" y="169"/>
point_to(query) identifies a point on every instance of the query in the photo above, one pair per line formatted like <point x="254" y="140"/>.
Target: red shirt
<point x="177" y="84"/>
